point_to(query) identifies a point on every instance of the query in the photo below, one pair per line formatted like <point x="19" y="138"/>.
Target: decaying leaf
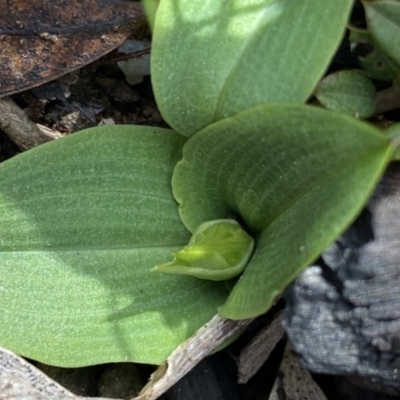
<point x="21" y="380"/>
<point x="294" y="382"/>
<point x="41" y="40"/>
<point x="254" y="355"/>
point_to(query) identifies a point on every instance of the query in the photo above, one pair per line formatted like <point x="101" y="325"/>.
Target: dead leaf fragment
<point x="41" y="40"/>
<point x="21" y="380"/>
<point x="254" y="355"/>
<point x="294" y="382"/>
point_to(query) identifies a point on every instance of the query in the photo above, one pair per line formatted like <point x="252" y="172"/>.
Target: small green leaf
<point x="393" y="134"/>
<point x="383" y="20"/>
<point x="349" y="92"/>
<point x="82" y="221"/>
<point x="372" y="60"/>
<point x="214" y="58"/>
<point x="295" y="175"/>
<point x="218" y="250"/>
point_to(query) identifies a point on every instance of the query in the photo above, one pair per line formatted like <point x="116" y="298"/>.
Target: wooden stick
<point x="21" y="130"/>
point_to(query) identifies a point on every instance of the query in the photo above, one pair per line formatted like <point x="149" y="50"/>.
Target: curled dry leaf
<point x="294" y="382"/>
<point x="41" y="40"/>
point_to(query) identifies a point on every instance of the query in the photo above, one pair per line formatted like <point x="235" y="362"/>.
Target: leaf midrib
<point x="96" y="249"/>
<point x="235" y="66"/>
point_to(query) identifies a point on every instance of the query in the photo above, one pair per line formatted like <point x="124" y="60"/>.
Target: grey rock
<point x="343" y="314"/>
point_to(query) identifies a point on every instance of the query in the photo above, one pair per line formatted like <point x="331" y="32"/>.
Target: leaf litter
<point x="42" y="40"/>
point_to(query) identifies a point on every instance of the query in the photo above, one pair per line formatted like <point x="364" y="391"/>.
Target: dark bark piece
<point x="293" y="381"/>
<point x="348" y="388"/>
<point x="41" y="40"/>
<point x="254" y="354"/>
<point x="343" y="316"/>
<point x="188" y="354"/>
<point x="214" y="378"/>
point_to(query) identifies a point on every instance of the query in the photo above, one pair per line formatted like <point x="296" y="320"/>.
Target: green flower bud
<point x="218" y="250"/>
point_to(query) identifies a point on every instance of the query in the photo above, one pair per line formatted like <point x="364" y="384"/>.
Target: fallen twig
<point x="21" y="130"/>
<point x="190" y="353"/>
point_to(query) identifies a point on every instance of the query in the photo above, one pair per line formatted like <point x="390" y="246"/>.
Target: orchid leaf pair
<point x="84" y="220"/>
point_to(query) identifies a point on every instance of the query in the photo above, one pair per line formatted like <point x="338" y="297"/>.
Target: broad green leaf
<point x="383" y="20"/>
<point x="294" y="175"/>
<point x="372" y="60"/>
<point x="82" y="222"/>
<point x="393" y="134"/>
<point x="349" y="92"/>
<point x="214" y="58"/>
<point x="218" y="250"/>
<point x="150" y="7"/>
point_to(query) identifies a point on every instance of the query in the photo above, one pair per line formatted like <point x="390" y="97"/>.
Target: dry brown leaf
<point x="41" y="40"/>
<point x="294" y="382"/>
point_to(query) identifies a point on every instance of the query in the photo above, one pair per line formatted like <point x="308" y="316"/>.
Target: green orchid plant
<point x="116" y="242"/>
